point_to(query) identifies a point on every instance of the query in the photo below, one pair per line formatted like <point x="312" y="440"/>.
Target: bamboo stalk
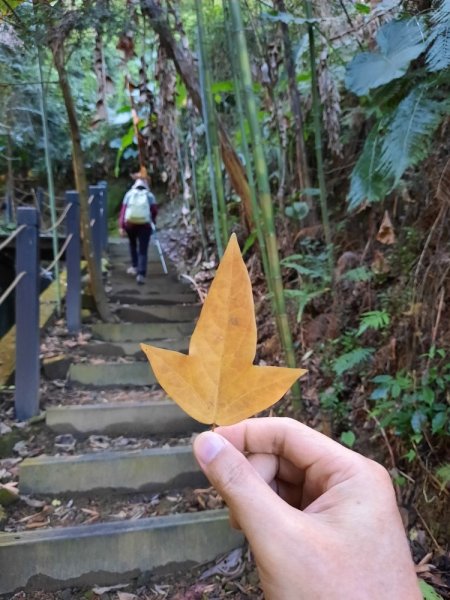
<point x="257" y="218"/>
<point x="316" y="109"/>
<point x="209" y="114"/>
<point x="264" y="191"/>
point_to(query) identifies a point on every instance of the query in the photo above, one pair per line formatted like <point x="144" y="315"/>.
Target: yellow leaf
<point x="217" y="383"/>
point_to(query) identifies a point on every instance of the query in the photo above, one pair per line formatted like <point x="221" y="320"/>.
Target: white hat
<point x="140" y="183"/>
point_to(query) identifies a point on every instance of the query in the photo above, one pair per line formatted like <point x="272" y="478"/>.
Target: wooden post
<point x="96" y="227"/>
<point x="27" y="315"/>
<point x="73" y="258"/>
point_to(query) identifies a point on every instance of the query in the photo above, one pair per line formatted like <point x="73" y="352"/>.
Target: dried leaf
<point x="386" y="234"/>
<point x="379" y="264"/>
<point x="217" y="382"/>
<point x="104" y="590"/>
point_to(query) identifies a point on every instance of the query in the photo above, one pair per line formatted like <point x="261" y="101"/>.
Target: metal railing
<point x="26" y="284"/>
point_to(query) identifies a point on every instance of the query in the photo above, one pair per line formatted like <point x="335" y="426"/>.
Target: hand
<point x="122" y="232"/>
<point x="322" y="520"/>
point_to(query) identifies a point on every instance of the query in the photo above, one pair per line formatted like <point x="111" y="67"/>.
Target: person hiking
<point x="137" y="216"/>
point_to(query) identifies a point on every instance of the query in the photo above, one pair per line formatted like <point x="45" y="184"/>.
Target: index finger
<point x="308" y="450"/>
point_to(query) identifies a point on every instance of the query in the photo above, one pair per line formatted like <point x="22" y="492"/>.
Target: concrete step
<point x="151" y="470"/>
<point x="155" y="299"/>
<point x="122" y="249"/>
<point x="110" y="350"/>
<point x="112" y="374"/>
<point x="162" y="417"/>
<point x="118" y="268"/>
<point x="159" y="314"/>
<point x="136" y="332"/>
<point x="153" y="285"/>
<point x="111" y="553"/>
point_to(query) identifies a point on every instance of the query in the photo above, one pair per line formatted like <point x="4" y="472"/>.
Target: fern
<point x="358" y="274"/>
<point x="367" y="184"/>
<point x="351" y="359"/>
<point x="438" y="53"/>
<point x="398" y="141"/>
<point x="373" y="319"/>
<point x="409" y="132"/>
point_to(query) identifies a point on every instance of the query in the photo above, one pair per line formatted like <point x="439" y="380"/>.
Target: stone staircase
<point x="161" y="312"/>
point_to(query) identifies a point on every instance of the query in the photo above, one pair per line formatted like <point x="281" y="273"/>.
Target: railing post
<point x="40" y="199"/>
<point x="9" y="209"/>
<point x="27" y="315"/>
<point x="94" y="214"/>
<point x="104" y="212"/>
<point x="73" y="258"/>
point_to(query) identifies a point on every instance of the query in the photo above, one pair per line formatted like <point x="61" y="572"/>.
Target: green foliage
<point x="405" y="102"/>
<point x="443" y="474"/>
<point x="397" y="142"/>
<point x="374" y="319"/>
<point x="348" y="361"/>
<point x="7" y="7"/>
<point x="412" y="406"/>
<point x="348" y="438"/>
<point x="428" y="592"/>
<point x="297" y="211"/>
<point x="315" y="279"/>
<point x="399" y="43"/>
<point x="367" y="183"/>
<point x="410" y="130"/>
<point x="358" y="274"/>
<point x="438" y="54"/>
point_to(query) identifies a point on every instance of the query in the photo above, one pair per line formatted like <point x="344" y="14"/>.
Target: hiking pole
<point x="158" y="245"/>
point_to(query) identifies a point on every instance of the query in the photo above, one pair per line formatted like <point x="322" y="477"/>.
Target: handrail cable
<point x="14" y="234"/>
<point x="61" y="252"/>
<point x="59" y="220"/>
<point x="13" y="285"/>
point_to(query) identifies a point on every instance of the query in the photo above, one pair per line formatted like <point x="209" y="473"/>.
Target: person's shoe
<point x="140" y="279"/>
<point x="132" y="271"/>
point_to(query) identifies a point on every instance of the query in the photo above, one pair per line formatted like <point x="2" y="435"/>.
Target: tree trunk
<point x="302" y="172"/>
<point x="98" y="291"/>
<point x="187" y="70"/>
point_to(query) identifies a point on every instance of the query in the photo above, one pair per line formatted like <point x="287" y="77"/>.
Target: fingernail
<point x="207" y="446"/>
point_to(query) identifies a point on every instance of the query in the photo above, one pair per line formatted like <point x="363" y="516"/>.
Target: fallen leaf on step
<point x="104" y="590"/>
<point x="217" y="382"/>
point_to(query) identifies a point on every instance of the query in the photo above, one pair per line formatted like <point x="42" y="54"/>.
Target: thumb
<point x="254" y="505"/>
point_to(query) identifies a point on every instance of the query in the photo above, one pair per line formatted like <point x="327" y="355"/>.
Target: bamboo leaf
<point x="217" y="381"/>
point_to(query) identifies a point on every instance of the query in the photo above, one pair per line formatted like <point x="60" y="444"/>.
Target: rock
<point x="21" y="449"/>
<point x="7" y="443"/>
<point x="56" y="367"/>
<point x="65" y="442"/>
<point x="8" y="494"/>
